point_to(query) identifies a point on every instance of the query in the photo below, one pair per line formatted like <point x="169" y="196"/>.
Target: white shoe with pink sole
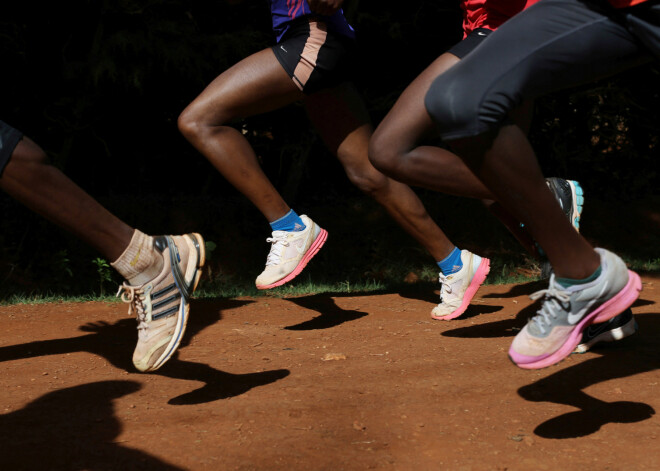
<point x="458" y="289"/>
<point x="290" y="252"/>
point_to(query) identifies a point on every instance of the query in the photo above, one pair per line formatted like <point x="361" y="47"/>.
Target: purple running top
<point x="285" y="11"/>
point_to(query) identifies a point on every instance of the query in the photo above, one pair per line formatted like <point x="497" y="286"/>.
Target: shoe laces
<point x="279" y="241"/>
<point x="134" y="296"/>
<point x="555" y="299"/>
<point x="445" y="287"/>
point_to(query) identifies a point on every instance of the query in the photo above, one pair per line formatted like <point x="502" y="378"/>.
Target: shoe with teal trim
<point x="556" y="329"/>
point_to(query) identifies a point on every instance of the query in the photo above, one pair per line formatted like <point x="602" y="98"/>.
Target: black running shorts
<point x="472" y="40"/>
<point x="554" y="44"/>
<point x="9" y="138"/>
<point x="314" y="57"/>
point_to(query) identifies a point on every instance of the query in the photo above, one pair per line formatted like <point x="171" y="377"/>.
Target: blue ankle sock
<point x="290" y="222"/>
<point x="566" y="282"/>
<point x="452" y="263"/>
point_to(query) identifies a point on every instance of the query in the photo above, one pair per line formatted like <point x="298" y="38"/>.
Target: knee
<point x="189" y="123"/>
<point x="197" y="120"/>
<point x="367" y="179"/>
<point x="384" y="154"/>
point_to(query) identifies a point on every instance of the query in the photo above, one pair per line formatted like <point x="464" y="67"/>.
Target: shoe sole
<point x="612" y="335"/>
<point x="180" y="330"/>
<point x="477" y="280"/>
<point x="609" y="309"/>
<point x="313" y="250"/>
<point x="577" y="195"/>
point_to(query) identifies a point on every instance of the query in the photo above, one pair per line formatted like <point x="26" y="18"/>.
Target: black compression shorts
<point x="9" y="138"/>
<point x="314" y="57"/>
<point x="554" y="44"/>
<point x="467" y="45"/>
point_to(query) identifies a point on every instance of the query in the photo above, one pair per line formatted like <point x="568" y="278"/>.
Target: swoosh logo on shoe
<point x="300" y="244"/>
<point x="595" y="330"/>
<point x="575" y="318"/>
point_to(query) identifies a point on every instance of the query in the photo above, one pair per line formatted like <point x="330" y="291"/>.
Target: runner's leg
<point x="343" y="122"/>
<point x="255" y="85"/>
<point x="33" y="181"/>
<point x="553" y="44"/>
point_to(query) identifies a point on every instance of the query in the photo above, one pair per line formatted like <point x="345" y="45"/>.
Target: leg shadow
<point x="72" y="428"/>
<point x="521" y="289"/>
<point x="330" y="316"/>
<point x="566" y="386"/>
<point x="503" y="328"/>
<point x="217" y="384"/>
<point x="115" y="342"/>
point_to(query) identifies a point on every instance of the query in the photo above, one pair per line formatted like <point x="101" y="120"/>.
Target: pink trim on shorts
<point x="318" y="33"/>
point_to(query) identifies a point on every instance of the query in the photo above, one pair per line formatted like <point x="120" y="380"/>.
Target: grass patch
<point x="49" y="298"/>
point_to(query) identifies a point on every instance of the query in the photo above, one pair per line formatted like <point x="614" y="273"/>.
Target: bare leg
<point x="30" y="179"/>
<point x="255" y="85"/>
<point x="506" y="163"/>
<point x="343" y="122"/>
<point x="395" y="147"/>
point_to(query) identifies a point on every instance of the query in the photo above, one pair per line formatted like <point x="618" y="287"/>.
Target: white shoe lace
<point x="134" y="296"/>
<point x="445" y="287"/>
<point x="554" y="300"/>
<point x="275" y="255"/>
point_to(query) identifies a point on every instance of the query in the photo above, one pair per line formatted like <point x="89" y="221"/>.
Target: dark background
<point x="99" y="86"/>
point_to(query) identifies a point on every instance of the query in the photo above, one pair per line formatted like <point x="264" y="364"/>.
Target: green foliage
<point x="117" y="81"/>
<point x="62" y="262"/>
<point x="104" y="272"/>
<point x="604" y="134"/>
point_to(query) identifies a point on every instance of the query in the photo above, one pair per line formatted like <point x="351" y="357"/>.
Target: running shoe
<point x="161" y="305"/>
<point x="570" y="197"/>
<point x="458" y="289"/>
<point x="556" y="329"/>
<point x="617" y="328"/>
<point x="290" y="252"/>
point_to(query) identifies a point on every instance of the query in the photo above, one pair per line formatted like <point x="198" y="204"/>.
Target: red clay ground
<point x="257" y="388"/>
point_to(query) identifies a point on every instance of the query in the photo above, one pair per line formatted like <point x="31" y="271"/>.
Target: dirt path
<point x="324" y="383"/>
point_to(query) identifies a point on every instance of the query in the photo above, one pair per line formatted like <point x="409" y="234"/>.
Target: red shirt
<point x="625" y="3"/>
<point x="490" y="14"/>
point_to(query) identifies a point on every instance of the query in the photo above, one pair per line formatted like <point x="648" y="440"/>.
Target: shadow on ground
<point x="72" y="428"/>
<point x="635" y="355"/>
<point x="331" y="315"/>
<point x="115" y="342"/>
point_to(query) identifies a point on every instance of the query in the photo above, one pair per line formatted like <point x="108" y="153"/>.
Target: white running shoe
<point x="290" y="252"/>
<point x="161" y="305"/>
<point x="556" y="329"/>
<point x="458" y="289"/>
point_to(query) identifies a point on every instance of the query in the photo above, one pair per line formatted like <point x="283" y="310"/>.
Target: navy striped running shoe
<point x="161" y="305"/>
